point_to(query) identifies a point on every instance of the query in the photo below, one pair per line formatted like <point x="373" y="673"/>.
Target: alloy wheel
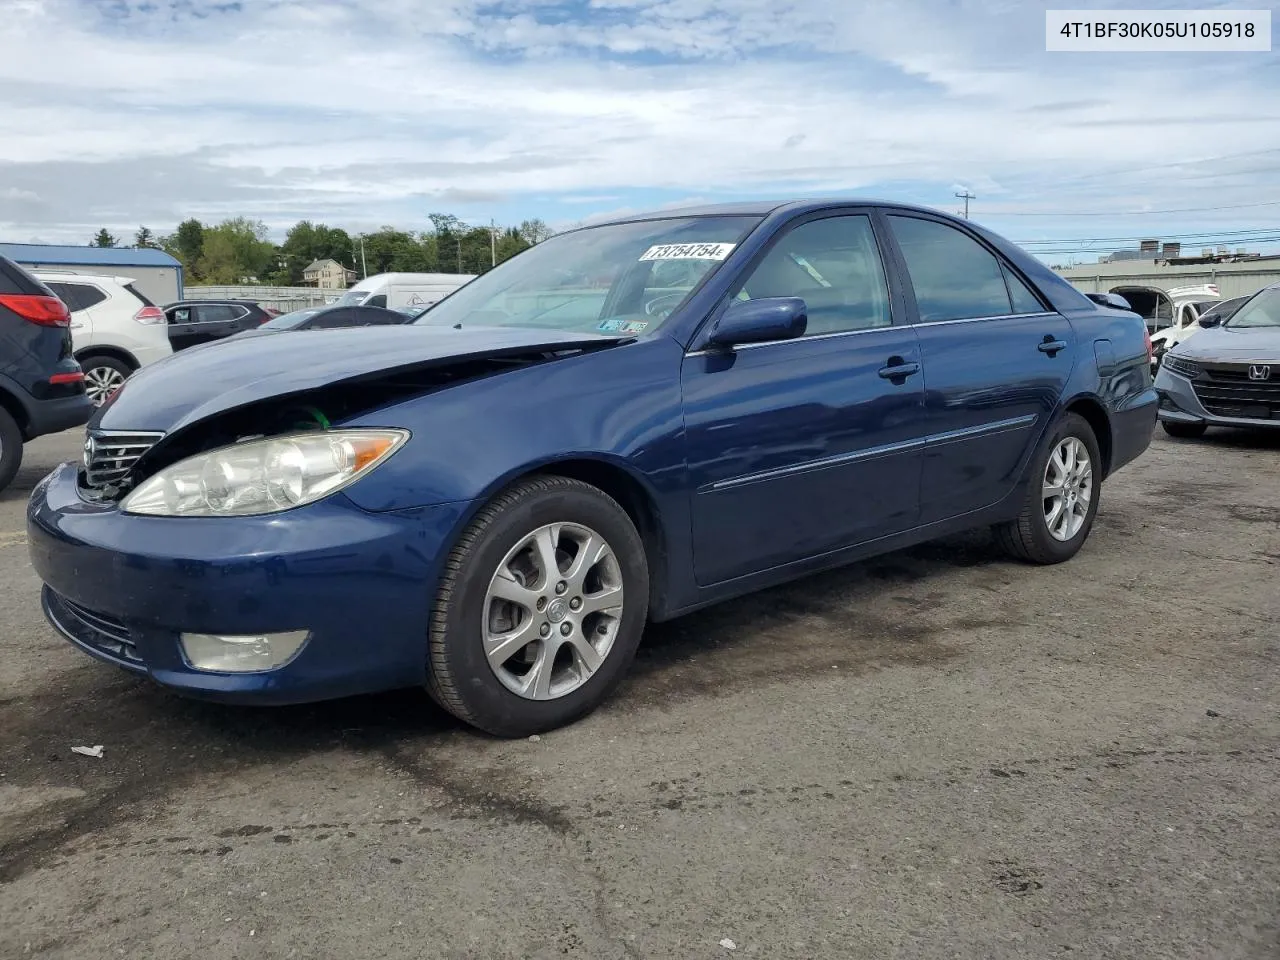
<point x="101" y="382"/>
<point x="1068" y="489"/>
<point x="552" y="611"/>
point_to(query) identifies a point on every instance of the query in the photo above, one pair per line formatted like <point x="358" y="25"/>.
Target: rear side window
<point x="1024" y="301"/>
<point x="146" y="302"/>
<point x="378" y="300"/>
<point x="218" y="312"/>
<point x="954" y="276"/>
<point x="14" y="279"/>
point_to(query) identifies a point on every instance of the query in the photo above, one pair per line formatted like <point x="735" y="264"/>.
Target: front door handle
<point x="1051" y="346"/>
<point x="898" y="370"/>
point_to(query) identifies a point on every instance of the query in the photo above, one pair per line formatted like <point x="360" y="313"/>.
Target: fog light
<point x="251" y="654"/>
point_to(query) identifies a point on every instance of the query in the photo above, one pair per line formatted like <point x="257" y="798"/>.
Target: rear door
<point x="800" y="447"/>
<point x="195" y="323"/>
<point x="996" y="362"/>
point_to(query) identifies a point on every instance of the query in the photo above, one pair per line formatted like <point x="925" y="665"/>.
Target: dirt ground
<point x="933" y="754"/>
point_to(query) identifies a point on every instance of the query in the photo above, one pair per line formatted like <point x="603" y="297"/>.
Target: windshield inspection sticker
<point x="624" y="326"/>
<point x="688" y="251"/>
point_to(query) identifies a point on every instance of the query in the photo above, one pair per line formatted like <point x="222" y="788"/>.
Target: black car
<point x="41" y="385"/>
<point x="331" y="318"/>
<point x="192" y="322"/>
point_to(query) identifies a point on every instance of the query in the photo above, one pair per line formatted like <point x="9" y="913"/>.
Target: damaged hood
<point x="197" y="383"/>
<point x="1233" y="344"/>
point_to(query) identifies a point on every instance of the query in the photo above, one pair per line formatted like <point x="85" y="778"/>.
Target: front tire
<point x="1184" y="431"/>
<point x="10" y="448"/>
<point x="540" y="610"/>
<point x="1063" y="487"/>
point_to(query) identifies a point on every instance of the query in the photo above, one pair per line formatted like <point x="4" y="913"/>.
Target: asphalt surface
<point x="934" y="754"/>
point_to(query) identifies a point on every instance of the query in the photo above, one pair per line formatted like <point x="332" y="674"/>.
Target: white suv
<point x="115" y="329"/>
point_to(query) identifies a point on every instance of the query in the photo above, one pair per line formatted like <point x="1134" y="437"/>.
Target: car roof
<point x="762" y="208"/>
<point x="66" y="276"/>
<point x="183" y="303"/>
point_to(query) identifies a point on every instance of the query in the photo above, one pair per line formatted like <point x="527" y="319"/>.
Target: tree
<point x="307" y="242"/>
<point x="103" y="239"/>
<point x="236" y="251"/>
<point x="187" y="245"/>
<point x="535" y="231"/>
<point x="143" y="238"/>
<point x="390" y="250"/>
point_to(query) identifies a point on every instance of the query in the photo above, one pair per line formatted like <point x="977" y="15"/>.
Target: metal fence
<point x="282" y="298"/>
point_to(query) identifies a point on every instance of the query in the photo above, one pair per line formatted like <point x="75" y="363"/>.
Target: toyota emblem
<point x="1260" y="371"/>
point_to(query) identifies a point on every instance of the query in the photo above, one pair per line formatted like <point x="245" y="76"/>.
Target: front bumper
<point x="122" y="588"/>
<point x="1179" y="404"/>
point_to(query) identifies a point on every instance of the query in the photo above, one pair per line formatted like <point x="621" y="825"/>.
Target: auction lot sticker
<point x="1158" y="31"/>
<point x="688" y="251"/>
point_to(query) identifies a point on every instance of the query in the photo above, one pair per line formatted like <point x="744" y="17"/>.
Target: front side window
<point x="621" y="279"/>
<point x="833" y="265"/>
<point x="954" y="276"/>
<point x="1262" y="311"/>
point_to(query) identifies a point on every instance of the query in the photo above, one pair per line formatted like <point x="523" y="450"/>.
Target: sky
<point x="360" y="113"/>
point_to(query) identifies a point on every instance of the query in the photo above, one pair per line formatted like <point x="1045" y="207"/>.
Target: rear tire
<point x="1184" y="431"/>
<point x="570" y="634"/>
<point x="1062" y="497"/>
<point x="10" y="448"/>
<point x="103" y="375"/>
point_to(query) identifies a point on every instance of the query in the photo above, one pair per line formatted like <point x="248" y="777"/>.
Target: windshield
<point x="287" y="321"/>
<point x="622" y="280"/>
<point x="1262" y="311"/>
<point x="352" y="298"/>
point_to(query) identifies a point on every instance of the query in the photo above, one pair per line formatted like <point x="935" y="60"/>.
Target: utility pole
<point x="459" y="240"/>
<point x="364" y="264"/>
<point x="966" y="197"/>
<point x="493" y="244"/>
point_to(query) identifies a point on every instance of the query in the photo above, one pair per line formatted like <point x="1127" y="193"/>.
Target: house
<point x="153" y="271"/>
<point x="328" y="275"/>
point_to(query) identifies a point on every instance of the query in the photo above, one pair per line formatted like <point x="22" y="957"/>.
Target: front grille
<point x="110" y="455"/>
<point x="1226" y="390"/>
<point x="102" y="633"/>
<point x="1184" y="367"/>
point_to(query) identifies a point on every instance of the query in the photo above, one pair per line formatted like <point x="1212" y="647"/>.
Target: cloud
<point x="364" y="112"/>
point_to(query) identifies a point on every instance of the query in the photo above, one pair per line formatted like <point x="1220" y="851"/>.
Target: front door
<point x="996" y="362"/>
<point x="800" y="447"/>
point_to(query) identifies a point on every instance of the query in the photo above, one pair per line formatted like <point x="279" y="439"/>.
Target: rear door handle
<point x="898" y="370"/>
<point x="1051" y="346"/>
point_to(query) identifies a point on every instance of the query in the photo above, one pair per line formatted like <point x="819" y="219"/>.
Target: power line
<point x="1134" y="213"/>
<point x="1233" y="236"/>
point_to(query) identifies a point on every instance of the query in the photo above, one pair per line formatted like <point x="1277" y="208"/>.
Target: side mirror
<point x="1209" y="321"/>
<point x="1112" y="300"/>
<point x="757" y="321"/>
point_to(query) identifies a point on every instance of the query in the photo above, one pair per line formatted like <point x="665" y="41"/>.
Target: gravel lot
<point x="933" y="754"/>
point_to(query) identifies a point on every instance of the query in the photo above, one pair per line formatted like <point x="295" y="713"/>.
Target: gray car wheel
<point x="540" y="608"/>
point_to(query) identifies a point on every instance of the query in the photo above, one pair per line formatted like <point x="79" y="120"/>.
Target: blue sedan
<point x="620" y="425"/>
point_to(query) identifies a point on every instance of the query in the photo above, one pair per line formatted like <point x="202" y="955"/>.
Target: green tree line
<point x="239" y="250"/>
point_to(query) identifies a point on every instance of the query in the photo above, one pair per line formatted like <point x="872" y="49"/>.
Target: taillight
<point x="46" y="311"/>
<point x="149" y="315"/>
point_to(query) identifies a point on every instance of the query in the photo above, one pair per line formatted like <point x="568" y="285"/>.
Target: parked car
<point x="1190" y="317"/>
<point x="494" y="500"/>
<point x="115" y="328"/>
<point x="41" y="384"/>
<point x="192" y="322"/>
<point x="394" y="290"/>
<point x="1229" y="376"/>
<point x="331" y="318"/>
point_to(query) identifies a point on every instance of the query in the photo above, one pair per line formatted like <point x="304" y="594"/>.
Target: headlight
<point x="1187" y="368"/>
<point x="263" y="476"/>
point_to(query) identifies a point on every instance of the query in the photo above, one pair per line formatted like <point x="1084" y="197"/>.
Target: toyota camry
<point x="620" y="425"/>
